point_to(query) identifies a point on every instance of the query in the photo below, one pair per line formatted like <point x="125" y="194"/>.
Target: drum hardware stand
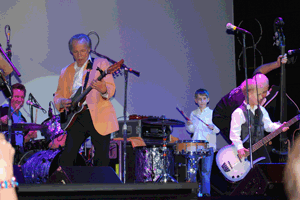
<point x="7" y="56"/>
<point x="152" y="168"/>
<point x="165" y="176"/>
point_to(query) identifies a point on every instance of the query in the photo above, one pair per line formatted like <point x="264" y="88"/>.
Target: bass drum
<point x="37" y="167"/>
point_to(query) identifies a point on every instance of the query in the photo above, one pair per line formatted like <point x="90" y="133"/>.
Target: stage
<point x="124" y="191"/>
<point x="109" y="191"/>
<point x="86" y="182"/>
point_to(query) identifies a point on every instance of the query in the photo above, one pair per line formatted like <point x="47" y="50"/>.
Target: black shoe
<point x="206" y="195"/>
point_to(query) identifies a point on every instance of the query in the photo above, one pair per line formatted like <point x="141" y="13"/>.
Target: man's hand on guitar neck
<point x="242" y="152"/>
<point x="65" y="103"/>
<point x="284" y="129"/>
<point x="100" y="86"/>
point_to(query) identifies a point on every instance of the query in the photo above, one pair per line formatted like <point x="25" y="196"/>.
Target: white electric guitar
<point x="235" y="168"/>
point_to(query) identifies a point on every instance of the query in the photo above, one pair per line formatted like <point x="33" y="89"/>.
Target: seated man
<point x="17" y="101"/>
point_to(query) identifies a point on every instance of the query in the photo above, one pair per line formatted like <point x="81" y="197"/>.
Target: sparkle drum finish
<point x="150" y="163"/>
<point x="38" y="166"/>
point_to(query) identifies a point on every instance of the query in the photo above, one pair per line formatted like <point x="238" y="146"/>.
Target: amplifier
<point x="154" y="131"/>
<point x="134" y="129"/>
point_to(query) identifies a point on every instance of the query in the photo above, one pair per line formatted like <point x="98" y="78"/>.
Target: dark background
<point x="258" y="17"/>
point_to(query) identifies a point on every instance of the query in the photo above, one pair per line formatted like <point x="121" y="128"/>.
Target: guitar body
<point x="235" y="169"/>
<point x="230" y="165"/>
<point x="67" y="118"/>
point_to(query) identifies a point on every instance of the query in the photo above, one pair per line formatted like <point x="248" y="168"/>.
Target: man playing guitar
<point x="98" y="119"/>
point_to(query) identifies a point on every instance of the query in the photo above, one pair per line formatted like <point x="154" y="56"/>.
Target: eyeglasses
<point x="264" y="92"/>
<point x="83" y="51"/>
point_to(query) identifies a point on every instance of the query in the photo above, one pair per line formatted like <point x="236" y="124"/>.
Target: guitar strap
<point x="89" y="68"/>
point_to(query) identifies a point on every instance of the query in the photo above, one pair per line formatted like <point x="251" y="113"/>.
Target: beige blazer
<point x="102" y="111"/>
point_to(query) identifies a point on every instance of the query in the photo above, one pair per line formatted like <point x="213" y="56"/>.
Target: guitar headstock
<point x="279" y="38"/>
<point x="115" y="67"/>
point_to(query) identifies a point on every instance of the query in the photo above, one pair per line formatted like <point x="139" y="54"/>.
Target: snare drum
<point x="185" y="147"/>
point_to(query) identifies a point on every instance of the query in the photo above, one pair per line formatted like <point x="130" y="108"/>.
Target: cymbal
<point x="5" y="66"/>
<point x="22" y="127"/>
<point x="161" y="122"/>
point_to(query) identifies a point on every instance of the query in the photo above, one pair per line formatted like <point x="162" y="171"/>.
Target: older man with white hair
<point x="259" y="118"/>
<point x="232" y="100"/>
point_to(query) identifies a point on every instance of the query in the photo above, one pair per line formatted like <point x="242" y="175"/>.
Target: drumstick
<point x="16" y="109"/>
<point x="183" y="114"/>
<point x="201" y="120"/>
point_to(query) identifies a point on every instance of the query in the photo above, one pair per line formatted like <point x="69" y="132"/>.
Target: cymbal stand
<point x="164" y="177"/>
<point x="7" y="56"/>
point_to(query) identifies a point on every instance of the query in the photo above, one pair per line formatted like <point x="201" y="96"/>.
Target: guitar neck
<point x="269" y="137"/>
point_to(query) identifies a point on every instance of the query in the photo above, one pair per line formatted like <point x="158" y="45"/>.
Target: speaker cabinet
<point x="84" y="174"/>
<point x="263" y="179"/>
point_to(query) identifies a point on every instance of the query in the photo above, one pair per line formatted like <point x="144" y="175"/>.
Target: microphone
<point x="232" y="27"/>
<point x="112" y="61"/>
<point x="293" y="51"/>
<point x="8" y="34"/>
<point x="32" y="98"/>
<point x="35" y="105"/>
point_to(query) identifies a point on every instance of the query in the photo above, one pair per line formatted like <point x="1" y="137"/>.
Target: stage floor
<point x="109" y="191"/>
<point x="123" y="191"/>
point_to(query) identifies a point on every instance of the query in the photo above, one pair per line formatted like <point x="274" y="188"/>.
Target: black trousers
<point x="81" y="129"/>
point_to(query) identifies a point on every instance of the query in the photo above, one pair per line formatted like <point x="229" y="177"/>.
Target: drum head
<point x="191" y="141"/>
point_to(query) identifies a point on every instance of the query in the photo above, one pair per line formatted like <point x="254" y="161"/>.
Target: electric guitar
<point x="67" y="118"/>
<point x="235" y="168"/>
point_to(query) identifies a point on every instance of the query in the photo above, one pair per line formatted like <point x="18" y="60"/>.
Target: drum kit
<point x="40" y="157"/>
<point x="156" y="164"/>
<point x="153" y="164"/>
<point x="193" y="151"/>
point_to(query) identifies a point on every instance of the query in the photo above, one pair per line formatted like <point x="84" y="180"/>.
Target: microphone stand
<point x="8" y="58"/>
<point x="124" y="128"/>
<point x="31" y="108"/>
<point x="248" y="106"/>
